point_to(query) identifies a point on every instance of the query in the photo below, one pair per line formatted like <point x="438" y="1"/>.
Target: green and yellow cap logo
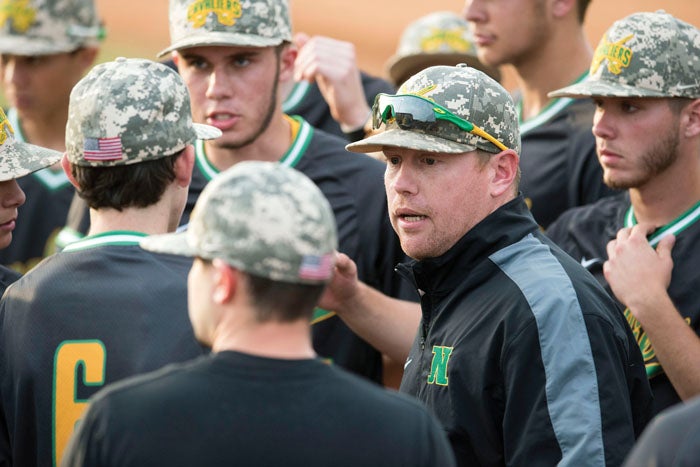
<point x="617" y="55"/>
<point x="5" y="128"/>
<point x="19" y="12"/>
<point x="226" y="11"/>
<point x="449" y="39"/>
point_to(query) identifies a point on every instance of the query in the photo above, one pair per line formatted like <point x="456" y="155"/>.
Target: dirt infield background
<point x="139" y="28"/>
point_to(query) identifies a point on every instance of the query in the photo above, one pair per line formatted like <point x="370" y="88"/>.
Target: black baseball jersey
<point x="585" y="232"/>
<point x="306" y="100"/>
<point x="232" y="408"/>
<point x="521" y="354"/>
<point x="559" y="165"/>
<point x="353" y="185"/>
<point x="98" y="312"/>
<point x="671" y="440"/>
<point x="41" y="217"/>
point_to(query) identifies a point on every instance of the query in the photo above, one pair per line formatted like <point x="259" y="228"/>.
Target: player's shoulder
<point x="607" y="210"/>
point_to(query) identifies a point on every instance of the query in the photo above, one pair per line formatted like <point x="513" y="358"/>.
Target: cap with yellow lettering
<point x="248" y="23"/>
<point x="46" y="27"/>
<point x="643" y="55"/>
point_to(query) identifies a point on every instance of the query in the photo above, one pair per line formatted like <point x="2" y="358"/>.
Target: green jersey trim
<point x="114" y="237"/>
<point x="51" y="179"/>
<point x="550" y="110"/>
<point x="290" y="158"/>
<point x="674" y="227"/>
<point x="296" y="96"/>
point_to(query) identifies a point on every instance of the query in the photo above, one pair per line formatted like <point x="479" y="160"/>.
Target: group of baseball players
<point x="234" y="253"/>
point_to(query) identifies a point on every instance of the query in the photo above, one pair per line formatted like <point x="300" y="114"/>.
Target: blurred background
<point x="138" y="28"/>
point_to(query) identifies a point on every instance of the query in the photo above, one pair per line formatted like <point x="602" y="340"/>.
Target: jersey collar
<point x="674" y="227"/>
<point x="290" y="158"/>
<point x="114" y="237"/>
<point x="296" y="96"/>
<point x="550" y="110"/>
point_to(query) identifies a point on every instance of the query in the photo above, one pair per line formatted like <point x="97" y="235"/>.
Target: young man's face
<point x="507" y="31"/>
<point x="39" y="86"/>
<point x="636" y="139"/>
<point x="11" y="198"/>
<point x="434" y="198"/>
<point x="232" y="88"/>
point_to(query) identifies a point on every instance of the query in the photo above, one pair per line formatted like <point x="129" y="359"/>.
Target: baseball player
<point x="233" y="72"/>
<point x="46" y="46"/>
<point x="262" y="397"/>
<point x="103" y="309"/>
<point x="17" y="159"/>
<point x="644" y="82"/>
<point x="547" y="47"/>
<point x="438" y="38"/>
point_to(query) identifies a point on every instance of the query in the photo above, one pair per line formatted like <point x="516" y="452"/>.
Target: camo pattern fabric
<point x="263" y="218"/>
<point x="17" y="158"/>
<point x="466" y="92"/>
<point x="643" y="55"/>
<point x="128" y="111"/>
<point x="251" y="23"/>
<point x="43" y="27"/>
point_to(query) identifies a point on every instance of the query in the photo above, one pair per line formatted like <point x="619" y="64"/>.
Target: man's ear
<point x="561" y="8"/>
<point x="183" y="166"/>
<point x="65" y="165"/>
<point x="504" y="166"/>
<point x="288" y="56"/>
<point x="690" y="119"/>
<point x="226" y="281"/>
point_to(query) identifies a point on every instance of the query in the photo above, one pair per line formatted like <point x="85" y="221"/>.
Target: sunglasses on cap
<point x="411" y="112"/>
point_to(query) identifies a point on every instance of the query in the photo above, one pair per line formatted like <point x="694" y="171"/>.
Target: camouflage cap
<point x="129" y="111"/>
<point x="469" y="94"/>
<point x="251" y="23"/>
<point x="643" y="55"/>
<point x="263" y="218"/>
<point x="43" y="27"/>
<point x="17" y="158"/>
<point x="439" y="38"/>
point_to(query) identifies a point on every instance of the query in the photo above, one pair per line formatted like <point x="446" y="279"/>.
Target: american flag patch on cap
<point x="315" y="267"/>
<point x="102" y="149"/>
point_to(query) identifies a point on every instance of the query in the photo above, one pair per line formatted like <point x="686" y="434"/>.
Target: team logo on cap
<point x="226" y="11"/>
<point x="19" y="12"/>
<point x="5" y="128"/>
<point x="452" y="38"/>
<point x="617" y="55"/>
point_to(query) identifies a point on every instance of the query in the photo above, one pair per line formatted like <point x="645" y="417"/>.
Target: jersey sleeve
<point x="566" y="404"/>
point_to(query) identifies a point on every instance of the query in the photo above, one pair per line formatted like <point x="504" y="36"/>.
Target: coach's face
<point x="11" y="198"/>
<point x="435" y="198"/>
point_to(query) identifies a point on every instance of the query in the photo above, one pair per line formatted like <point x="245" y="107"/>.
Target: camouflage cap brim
<point x="221" y="39"/>
<point x="399" y="138"/>
<point x="598" y="88"/>
<point x="173" y="244"/>
<point x="36" y="46"/>
<point x="18" y="159"/>
<point x="204" y="131"/>
<point x="401" y="68"/>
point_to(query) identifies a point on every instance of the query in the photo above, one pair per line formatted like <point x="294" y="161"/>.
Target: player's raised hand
<point x="332" y="64"/>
